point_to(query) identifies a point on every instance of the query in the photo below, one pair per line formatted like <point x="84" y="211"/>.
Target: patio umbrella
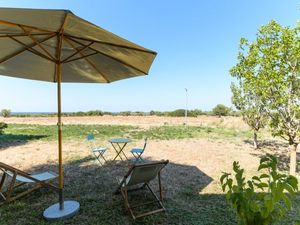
<point x="58" y="46"/>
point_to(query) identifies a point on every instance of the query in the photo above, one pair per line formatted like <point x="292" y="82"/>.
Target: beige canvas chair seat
<point x="138" y="177"/>
<point x="41" y="177"/>
<point x="19" y="178"/>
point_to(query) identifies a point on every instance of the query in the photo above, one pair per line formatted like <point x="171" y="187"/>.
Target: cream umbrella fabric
<point x="89" y="54"/>
<point x="58" y="46"/>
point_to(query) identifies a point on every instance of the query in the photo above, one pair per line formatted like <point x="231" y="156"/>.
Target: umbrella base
<point x="53" y="213"/>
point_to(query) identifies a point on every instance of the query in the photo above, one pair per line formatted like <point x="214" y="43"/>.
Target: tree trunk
<point x="255" y="143"/>
<point x="293" y="159"/>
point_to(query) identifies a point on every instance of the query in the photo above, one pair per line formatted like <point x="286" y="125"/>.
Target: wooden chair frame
<point x="7" y="195"/>
<point x="124" y="190"/>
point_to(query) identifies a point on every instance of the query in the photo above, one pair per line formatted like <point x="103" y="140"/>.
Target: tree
<point x="250" y="106"/>
<point x="5" y="112"/>
<point x="220" y="110"/>
<point x="270" y="66"/>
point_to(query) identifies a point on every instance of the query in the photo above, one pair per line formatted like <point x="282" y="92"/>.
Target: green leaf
<point x="264" y="176"/>
<point x="287" y="201"/>
<point x="225" y="175"/>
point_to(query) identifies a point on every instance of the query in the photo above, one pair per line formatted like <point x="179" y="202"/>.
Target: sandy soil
<point x="208" y="157"/>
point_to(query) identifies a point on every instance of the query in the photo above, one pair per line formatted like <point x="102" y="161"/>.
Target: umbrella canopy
<point x="32" y="40"/>
<point x="58" y="46"/>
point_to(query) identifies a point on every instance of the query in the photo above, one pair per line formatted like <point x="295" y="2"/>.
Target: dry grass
<point x="191" y="180"/>
<point x="141" y="121"/>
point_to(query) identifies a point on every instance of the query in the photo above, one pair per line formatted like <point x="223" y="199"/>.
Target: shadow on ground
<point x="93" y="186"/>
<point x="12" y="140"/>
<point x="278" y="149"/>
<point x="268" y="144"/>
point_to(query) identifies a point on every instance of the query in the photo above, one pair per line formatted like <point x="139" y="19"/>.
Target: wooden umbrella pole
<point x="59" y="124"/>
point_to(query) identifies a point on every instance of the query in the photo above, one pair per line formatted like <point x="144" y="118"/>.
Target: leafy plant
<point x="2" y="127"/>
<point x="260" y="208"/>
<point x="5" y="112"/>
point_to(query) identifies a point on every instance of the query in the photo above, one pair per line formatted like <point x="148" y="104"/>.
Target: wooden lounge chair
<point x="137" y="178"/>
<point x="19" y="178"/>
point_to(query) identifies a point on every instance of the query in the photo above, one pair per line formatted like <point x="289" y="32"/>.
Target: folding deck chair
<point x="19" y="178"/>
<point x="98" y="152"/>
<point x="137" y="178"/>
<point x="137" y="152"/>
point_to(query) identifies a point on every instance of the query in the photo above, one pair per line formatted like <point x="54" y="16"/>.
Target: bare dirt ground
<point x="142" y="121"/>
<point x="210" y="157"/>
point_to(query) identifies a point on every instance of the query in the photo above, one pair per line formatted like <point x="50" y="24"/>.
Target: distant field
<point x="143" y="121"/>
<point x="198" y="154"/>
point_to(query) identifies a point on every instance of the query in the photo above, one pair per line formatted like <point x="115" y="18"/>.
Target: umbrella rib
<point x="114" y="58"/>
<point x="88" y="61"/>
<point x="31" y="49"/>
<point x="6" y="23"/>
<point x="111" y="44"/>
<point x="63" y="23"/>
<point x="75" y="53"/>
<point x="22" y="50"/>
<point x="23" y="34"/>
<point x="82" y="57"/>
<point x="34" y="40"/>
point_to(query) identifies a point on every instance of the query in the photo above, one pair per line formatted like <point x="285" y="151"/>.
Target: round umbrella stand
<point x="54" y="213"/>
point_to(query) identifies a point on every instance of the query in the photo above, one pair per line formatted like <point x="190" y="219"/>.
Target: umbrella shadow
<point x="12" y="140"/>
<point x="93" y="186"/>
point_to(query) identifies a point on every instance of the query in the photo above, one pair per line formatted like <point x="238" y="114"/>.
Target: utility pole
<point x="186" y="105"/>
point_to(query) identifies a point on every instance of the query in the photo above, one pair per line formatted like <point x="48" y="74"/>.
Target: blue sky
<point x="196" y="41"/>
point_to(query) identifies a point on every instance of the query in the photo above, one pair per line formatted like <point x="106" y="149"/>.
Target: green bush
<point x="2" y="127"/>
<point x="125" y="113"/>
<point x="5" y="112"/>
<point x="157" y="113"/>
<point x="266" y="207"/>
<point x="220" y="110"/>
<point x="181" y="113"/>
<point x="177" y="113"/>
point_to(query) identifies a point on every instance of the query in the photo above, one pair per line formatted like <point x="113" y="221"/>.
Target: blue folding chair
<point x="137" y="152"/>
<point x="98" y="152"/>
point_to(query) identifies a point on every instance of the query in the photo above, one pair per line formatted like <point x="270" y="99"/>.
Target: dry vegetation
<point x="142" y="121"/>
<point x="191" y="180"/>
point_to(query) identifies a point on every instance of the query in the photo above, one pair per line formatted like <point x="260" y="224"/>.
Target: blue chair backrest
<point x="145" y="143"/>
<point x="90" y="137"/>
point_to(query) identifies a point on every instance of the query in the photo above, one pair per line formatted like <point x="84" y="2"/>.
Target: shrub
<point x="125" y="113"/>
<point x="177" y="113"/>
<point x="265" y="207"/>
<point x="152" y="113"/>
<point x="2" y="127"/>
<point x="6" y="112"/>
<point x="220" y="110"/>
